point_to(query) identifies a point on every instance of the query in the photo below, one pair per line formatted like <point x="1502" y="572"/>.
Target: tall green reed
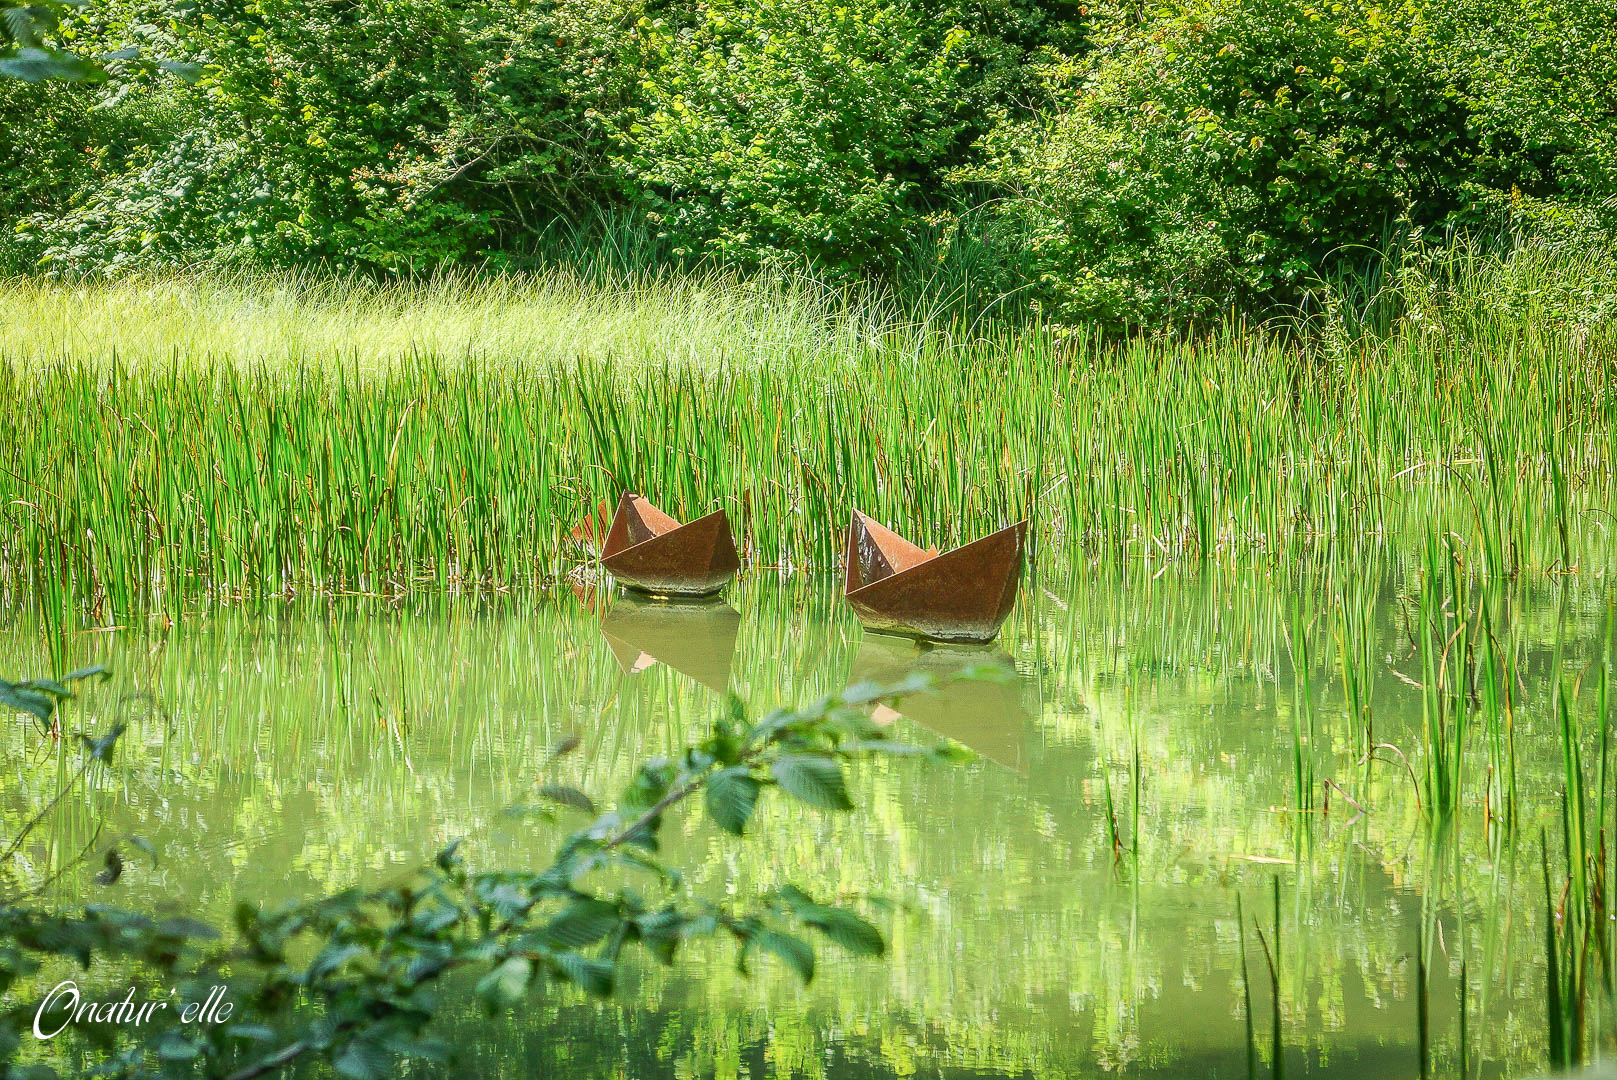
<point x="254" y="438"/>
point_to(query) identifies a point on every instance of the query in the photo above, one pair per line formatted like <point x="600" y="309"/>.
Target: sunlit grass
<point x="246" y="319"/>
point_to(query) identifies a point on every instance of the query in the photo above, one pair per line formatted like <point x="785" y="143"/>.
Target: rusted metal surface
<point x="649" y="551"/>
<point x="592" y="530"/>
<point x="961" y="595"/>
<point x="989" y="716"/>
<point x="696" y="638"/>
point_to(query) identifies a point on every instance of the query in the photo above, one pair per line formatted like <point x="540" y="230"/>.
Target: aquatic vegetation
<point x="229" y="464"/>
<point x="1267" y="580"/>
<point x="1579" y="932"/>
<point x="1246" y="994"/>
<point x="274" y="747"/>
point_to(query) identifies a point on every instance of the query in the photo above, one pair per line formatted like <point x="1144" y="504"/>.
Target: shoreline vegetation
<point x="228" y="437"/>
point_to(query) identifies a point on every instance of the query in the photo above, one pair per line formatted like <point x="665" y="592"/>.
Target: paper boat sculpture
<point x="695" y="638"/>
<point x="649" y="551"/>
<point x="961" y="595"/>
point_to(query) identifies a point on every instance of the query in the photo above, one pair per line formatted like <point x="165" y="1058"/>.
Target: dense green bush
<point x="1224" y="153"/>
<point x="411" y="134"/>
<point x="392" y="136"/>
<point x="1538" y="82"/>
<point x="819" y="130"/>
<point x="1219" y="154"/>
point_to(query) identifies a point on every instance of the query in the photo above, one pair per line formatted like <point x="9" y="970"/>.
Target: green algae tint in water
<point x="293" y="749"/>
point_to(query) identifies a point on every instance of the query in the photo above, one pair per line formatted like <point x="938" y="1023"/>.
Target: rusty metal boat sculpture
<point x="652" y="553"/>
<point x="961" y="595"/>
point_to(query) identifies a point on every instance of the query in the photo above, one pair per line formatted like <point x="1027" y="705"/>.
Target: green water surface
<point x="290" y="748"/>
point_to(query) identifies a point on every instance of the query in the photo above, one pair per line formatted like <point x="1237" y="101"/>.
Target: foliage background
<point x="1106" y="162"/>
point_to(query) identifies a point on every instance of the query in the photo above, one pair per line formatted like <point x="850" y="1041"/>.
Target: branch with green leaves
<point x="31" y="48"/>
<point x="351" y="978"/>
<point x="28" y="51"/>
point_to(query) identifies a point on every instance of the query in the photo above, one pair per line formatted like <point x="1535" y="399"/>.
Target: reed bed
<point x="229" y="440"/>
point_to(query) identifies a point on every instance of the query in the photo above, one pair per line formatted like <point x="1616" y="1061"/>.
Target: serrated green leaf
<point x="40" y="65"/>
<point x="592" y="975"/>
<point x="662" y="932"/>
<point x="364" y="1059"/>
<point x="862" y="692"/>
<point x="846" y="929"/>
<point x="183" y="70"/>
<point x="506" y="984"/>
<point x="434" y="917"/>
<point x="583" y="922"/>
<point x="509" y="901"/>
<point x="798" y="954"/>
<point x="568" y="796"/>
<point x="953" y="753"/>
<point x="813" y="778"/>
<point x="20" y="699"/>
<point x="101" y="749"/>
<point x="146" y="847"/>
<point x="331" y="958"/>
<point x="731" y="795"/>
<point x="650" y="784"/>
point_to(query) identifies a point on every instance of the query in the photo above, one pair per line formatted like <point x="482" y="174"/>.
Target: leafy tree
<point x="1225" y="153"/>
<point x="1104" y="163"/>
<point x="1218" y="154"/>
<point x="396" y="137"/>
<point x="1538" y="84"/>
<point x="83" y="98"/>
<point x="409" y="135"/>
<point x="818" y="131"/>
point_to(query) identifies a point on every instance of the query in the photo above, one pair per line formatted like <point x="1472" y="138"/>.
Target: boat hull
<point x="651" y="553"/>
<point x="963" y="595"/>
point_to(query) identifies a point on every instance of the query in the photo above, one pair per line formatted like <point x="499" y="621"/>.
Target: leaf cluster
<point x="356" y="978"/>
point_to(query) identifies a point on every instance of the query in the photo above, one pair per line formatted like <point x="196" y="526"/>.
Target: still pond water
<point x="284" y="750"/>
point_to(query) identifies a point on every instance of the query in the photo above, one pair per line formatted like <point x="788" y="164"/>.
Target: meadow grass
<point x="259" y="436"/>
<point x="250" y="319"/>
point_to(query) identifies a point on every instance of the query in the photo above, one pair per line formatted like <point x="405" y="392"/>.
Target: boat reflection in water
<point x="990" y="716"/>
<point x="696" y="638"/>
